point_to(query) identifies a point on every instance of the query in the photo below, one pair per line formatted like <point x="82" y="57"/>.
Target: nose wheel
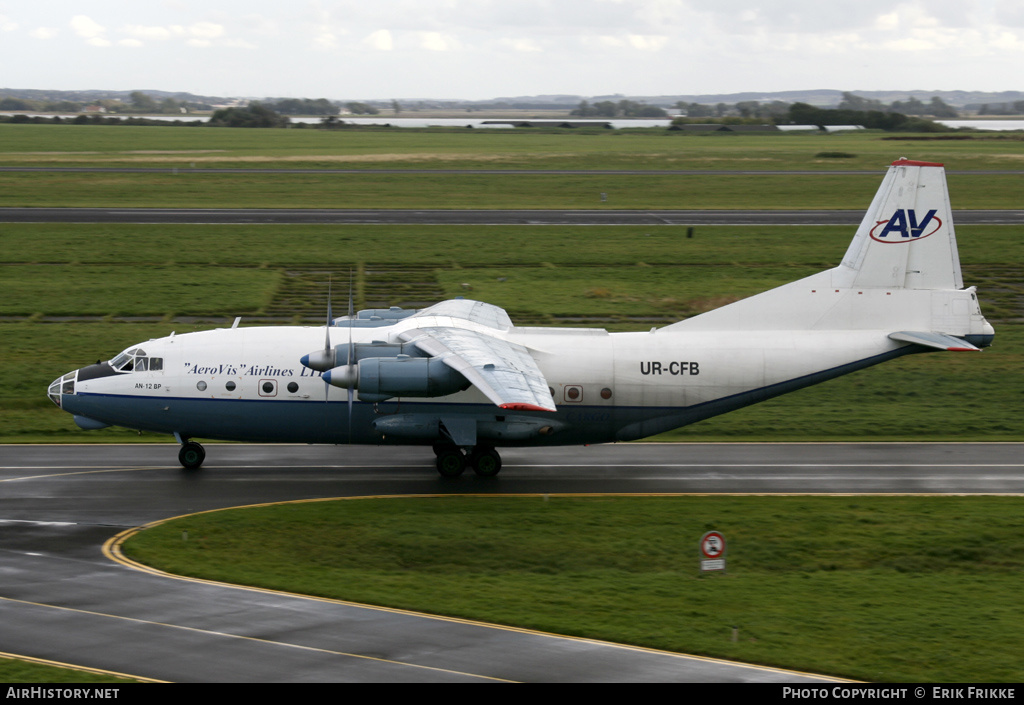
<point x="191" y="455"/>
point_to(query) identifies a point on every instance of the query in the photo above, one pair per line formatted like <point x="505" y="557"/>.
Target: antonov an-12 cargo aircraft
<point x="461" y="377"/>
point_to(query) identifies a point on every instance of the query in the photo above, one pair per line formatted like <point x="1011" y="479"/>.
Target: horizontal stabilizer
<point x="934" y="340"/>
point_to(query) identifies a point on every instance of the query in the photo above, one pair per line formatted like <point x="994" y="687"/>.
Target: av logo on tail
<point x="904" y="227"/>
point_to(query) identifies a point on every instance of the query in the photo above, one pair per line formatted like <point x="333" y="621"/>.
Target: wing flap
<point x="938" y="341"/>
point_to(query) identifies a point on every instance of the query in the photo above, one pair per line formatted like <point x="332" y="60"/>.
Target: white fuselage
<point x="248" y="383"/>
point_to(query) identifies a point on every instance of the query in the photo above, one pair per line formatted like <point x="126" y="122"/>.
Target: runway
<point x="284" y="216"/>
<point x="64" y="600"/>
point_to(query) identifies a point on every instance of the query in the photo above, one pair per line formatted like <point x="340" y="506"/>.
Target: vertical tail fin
<point x="901" y="273"/>
<point x="906" y="239"/>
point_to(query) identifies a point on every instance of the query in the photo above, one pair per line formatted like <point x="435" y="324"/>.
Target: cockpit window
<point x="135" y="360"/>
<point x="125" y="362"/>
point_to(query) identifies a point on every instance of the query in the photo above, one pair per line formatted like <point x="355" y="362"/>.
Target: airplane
<point x="461" y="377"/>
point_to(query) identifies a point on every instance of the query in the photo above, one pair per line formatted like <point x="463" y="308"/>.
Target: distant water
<point x="995" y="125"/>
<point x="1000" y="125"/>
<point x="479" y="122"/>
<point x="397" y="121"/>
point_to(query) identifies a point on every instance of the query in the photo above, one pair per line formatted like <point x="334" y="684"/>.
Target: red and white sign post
<point x="712" y="551"/>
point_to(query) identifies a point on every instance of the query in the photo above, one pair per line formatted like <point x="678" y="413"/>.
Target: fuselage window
<point x="230" y="386"/>
<point x="293" y="387"/>
<point x="156" y="364"/>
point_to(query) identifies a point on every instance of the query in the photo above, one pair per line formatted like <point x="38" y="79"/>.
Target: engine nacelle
<point x="323" y="360"/>
<point x="381" y="378"/>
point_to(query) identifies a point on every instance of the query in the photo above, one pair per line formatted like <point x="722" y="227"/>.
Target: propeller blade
<point x="330" y="319"/>
<point x="351" y="394"/>
<point x="352" y="373"/>
<point x="327" y="334"/>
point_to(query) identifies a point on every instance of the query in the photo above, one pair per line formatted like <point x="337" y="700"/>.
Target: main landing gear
<point x="191" y="455"/>
<point x="452" y="461"/>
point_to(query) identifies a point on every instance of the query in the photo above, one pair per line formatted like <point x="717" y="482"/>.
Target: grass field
<point x="74" y="145"/>
<point x="14" y="670"/>
<point x="190" y="150"/>
<point x="896" y="589"/>
<point x="872" y="588"/>
<point x="463" y="191"/>
<point x="74" y="294"/>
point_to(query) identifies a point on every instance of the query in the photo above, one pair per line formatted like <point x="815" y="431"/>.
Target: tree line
<point x="851" y="105"/>
<point x="618" y="109"/>
<point x="140" y="103"/>
<point x="1014" y="108"/>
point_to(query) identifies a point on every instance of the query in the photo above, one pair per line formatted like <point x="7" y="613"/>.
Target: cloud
<point x="7" y="24"/>
<point x="646" y="42"/>
<point x="381" y="40"/>
<point x="152" y="33"/>
<point x="86" y="28"/>
<point x="198" y="34"/>
<point x="522" y="45"/>
<point x="1010" y="12"/>
<point x="239" y="44"/>
<point x="435" y="41"/>
<point x="206" y="30"/>
<point x="44" y="33"/>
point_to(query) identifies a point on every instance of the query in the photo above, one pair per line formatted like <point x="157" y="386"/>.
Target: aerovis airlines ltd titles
<point x="461" y="377"/>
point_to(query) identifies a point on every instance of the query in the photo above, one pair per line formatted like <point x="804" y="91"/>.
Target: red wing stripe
<point x="524" y="407"/>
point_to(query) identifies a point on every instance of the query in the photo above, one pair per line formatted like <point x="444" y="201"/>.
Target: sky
<point x="481" y="49"/>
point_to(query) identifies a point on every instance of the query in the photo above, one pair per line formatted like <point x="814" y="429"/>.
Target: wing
<point x="468" y="310"/>
<point x="505" y="372"/>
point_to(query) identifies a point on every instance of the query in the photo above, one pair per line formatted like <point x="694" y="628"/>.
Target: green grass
<point x="471" y="191"/>
<point x="652" y="150"/>
<point x="116" y="290"/>
<point x="619" y="276"/>
<point x="872" y="588"/>
<point x="13" y="670"/>
<point x="337" y="247"/>
<point x="171" y="147"/>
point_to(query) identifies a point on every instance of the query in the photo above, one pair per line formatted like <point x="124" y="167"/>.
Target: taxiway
<point x="64" y="599"/>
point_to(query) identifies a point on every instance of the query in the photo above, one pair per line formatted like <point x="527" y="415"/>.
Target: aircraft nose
<point x="60" y="386"/>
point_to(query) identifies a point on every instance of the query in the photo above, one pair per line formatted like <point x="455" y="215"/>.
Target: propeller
<point x="346" y="375"/>
<point x="326" y="360"/>
<point x="322" y="360"/>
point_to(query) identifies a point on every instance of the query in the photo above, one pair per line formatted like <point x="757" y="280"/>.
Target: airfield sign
<point x="712" y="551"/>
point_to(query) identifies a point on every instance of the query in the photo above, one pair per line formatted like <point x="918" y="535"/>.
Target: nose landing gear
<point x="191" y="455"/>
